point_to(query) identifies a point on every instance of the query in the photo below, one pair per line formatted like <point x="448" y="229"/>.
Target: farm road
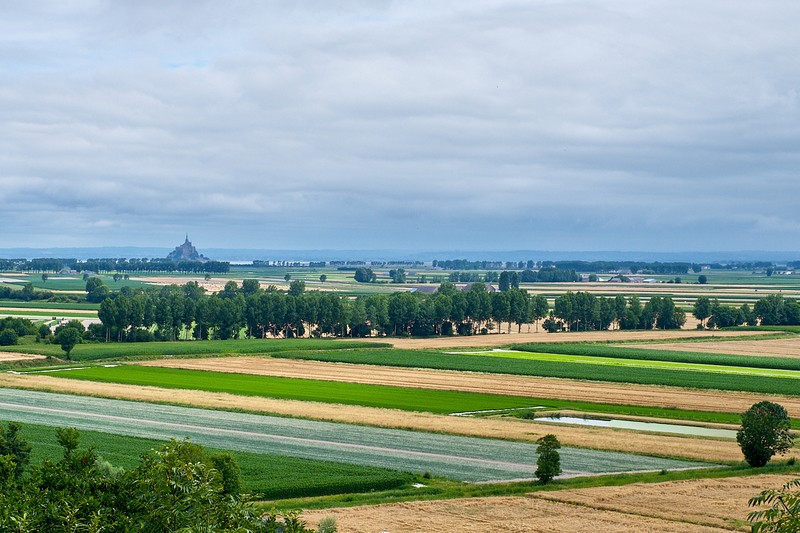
<point x="457" y="457"/>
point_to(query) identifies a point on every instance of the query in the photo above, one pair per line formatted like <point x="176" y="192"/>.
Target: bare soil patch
<point x="13" y="356"/>
<point x="481" y="515"/>
<point x="598" y="438"/>
<point x="503" y="339"/>
<point x="571" y="389"/>
<point x="788" y="347"/>
<point x="712" y="502"/>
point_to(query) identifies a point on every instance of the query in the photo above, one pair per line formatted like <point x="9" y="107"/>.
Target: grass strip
<point x="265" y="475"/>
<point x="604" y="350"/>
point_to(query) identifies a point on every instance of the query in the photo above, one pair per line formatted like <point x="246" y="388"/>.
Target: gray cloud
<point x="474" y="125"/>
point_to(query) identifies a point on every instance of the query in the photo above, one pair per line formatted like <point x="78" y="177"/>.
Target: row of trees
<point x="583" y="311"/>
<point x="772" y="310"/>
<point x="185" y="311"/>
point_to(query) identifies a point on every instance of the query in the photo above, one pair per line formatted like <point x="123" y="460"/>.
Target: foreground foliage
<point x="783" y="515"/>
<point x="179" y="487"/>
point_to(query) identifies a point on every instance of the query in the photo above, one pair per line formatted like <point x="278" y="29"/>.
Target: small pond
<point x="642" y="426"/>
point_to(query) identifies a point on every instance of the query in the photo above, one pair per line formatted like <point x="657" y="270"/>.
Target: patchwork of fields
<point x="450" y="456"/>
<point x="340" y="417"/>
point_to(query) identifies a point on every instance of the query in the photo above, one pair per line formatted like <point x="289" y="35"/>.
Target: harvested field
<point x="12" y="356"/>
<point x="599" y="438"/>
<point x="788" y="347"/>
<point x="615" y="393"/>
<point x="481" y="515"/>
<point x="480" y="341"/>
<point x="714" y="502"/>
<point x="704" y="505"/>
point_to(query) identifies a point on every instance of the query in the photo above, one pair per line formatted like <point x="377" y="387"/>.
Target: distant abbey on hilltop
<point x="186" y="252"/>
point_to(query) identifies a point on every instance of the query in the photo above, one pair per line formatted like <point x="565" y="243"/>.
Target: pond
<point x="680" y="429"/>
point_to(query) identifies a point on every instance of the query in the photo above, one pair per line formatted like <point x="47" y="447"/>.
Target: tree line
<point x="186" y="311"/>
<point x="114" y="265"/>
<point x="772" y="310"/>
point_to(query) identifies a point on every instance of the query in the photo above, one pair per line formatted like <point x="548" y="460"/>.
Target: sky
<point x="410" y="125"/>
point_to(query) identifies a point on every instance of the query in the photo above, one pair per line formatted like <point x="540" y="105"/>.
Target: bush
<point x="764" y="432"/>
<point x="8" y="337"/>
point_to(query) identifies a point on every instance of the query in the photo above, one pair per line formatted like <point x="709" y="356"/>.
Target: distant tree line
<point x="772" y="310"/>
<point x="583" y="311"/>
<point x="114" y="265"/>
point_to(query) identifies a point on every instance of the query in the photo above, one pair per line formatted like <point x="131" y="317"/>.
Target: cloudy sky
<point x="466" y="124"/>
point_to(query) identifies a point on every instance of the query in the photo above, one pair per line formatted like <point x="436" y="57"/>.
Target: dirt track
<point x="599" y="438"/>
<point x="705" y="505"/>
<point x="13" y="356"/>
<point x="616" y="393"/>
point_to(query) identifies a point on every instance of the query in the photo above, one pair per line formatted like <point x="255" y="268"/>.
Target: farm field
<point x="504" y="339"/>
<point x="564" y="366"/>
<point x="639" y="363"/>
<point x="501" y="384"/>
<point x="507" y="428"/>
<point x="455" y="457"/>
<point x="787" y="347"/>
<point x="390" y="397"/>
<point x="702" y="506"/>
<point x="267" y="475"/>
<point x="89" y="352"/>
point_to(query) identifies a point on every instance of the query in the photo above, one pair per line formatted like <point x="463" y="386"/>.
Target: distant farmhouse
<point x="186" y="252"/>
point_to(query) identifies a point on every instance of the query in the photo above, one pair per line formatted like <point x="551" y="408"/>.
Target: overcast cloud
<point x="568" y="125"/>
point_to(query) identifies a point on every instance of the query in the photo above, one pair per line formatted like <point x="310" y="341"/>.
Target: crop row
<point x="605" y="350"/>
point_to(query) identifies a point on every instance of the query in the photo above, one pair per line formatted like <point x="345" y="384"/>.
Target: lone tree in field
<point x="68" y="338"/>
<point x="764" y="432"/>
<point x="548" y="465"/>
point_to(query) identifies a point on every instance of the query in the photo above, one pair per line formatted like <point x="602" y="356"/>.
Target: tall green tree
<point x="764" y="433"/>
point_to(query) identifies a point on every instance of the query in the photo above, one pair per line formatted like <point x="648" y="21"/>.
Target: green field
<point x="698" y="358"/>
<point x="89" y="352"/>
<point x="265" y="475"/>
<point x="433" y="401"/>
<point x="650" y="364"/>
<point x="372" y="395"/>
<point x="40" y="304"/>
<point x="614" y="371"/>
